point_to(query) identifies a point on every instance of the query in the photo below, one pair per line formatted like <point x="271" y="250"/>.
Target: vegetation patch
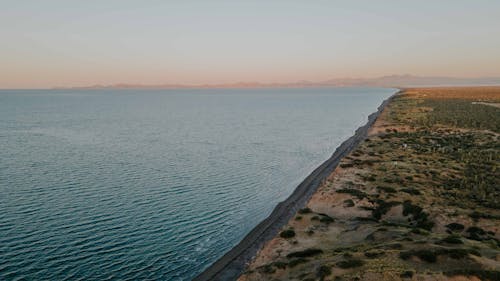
<point x="297" y="261"/>
<point x="305" y="253"/>
<point x="324" y="218"/>
<point x="430" y="255"/>
<point x="455" y="226"/>
<point x="387" y="189"/>
<point x="452" y="239"/>
<point x="478" y="215"/>
<point x="476" y="233"/>
<point x="383" y="207"/>
<point x="425" y="255"/>
<point x="289" y="233"/>
<point x="323" y="271"/>
<point x="419" y="216"/>
<point x="305" y="211"/>
<point x="374" y="254"/>
<point x="354" y="192"/>
<point x="350" y="263"/>
<point x="279" y="264"/>
<point x="348" y="203"/>
<point x="407" y="274"/>
<point x="480" y="273"/>
<point x="411" y="191"/>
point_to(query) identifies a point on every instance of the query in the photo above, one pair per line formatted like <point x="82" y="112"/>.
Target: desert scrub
<point x="386" y="189"/>
<point x="479" y="215"/>
<point x="425" y="255"/>
<point x="279" y="264"/>
<point x="419" y="216"/>
<point x="460" y="113"/>
<point x="354" y="192"/>
<point x="430" y="255"/>
<point x="324" y="218"/>
<point x="350" y="263"/>
<point x="348" y="203"/>
<point x="452" y="239"/>
<point x="296" y="261"/>
<point x="455" y="226"/>
<point x="323" y="271"/>
<point x="411" y="191"/>
<point x="407" y="274"/>
<point x="268" y="269"/>
<point x="476" y="233"/>
<point x="305" y="211"/>
<point x="289" y="233"/>
<point x="383" y="207"/>
<point x="481" y="273"/>
<point x="305" y="253"/>
<point x="374" y="254"/>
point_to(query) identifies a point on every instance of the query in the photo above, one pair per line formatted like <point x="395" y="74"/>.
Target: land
<point x="392" y="81"/>
<point x="418" y="199"/>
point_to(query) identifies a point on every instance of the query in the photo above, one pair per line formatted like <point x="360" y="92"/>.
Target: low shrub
<point x="383" y="207"/>
<point x="455" y="226"/>
<point x="326" y="219"/>
<point x="411" y="191"/>
<point x="348" y="203"/>
<point x="407" y="274"/>
<point x="305" y="211"/>
<point x="354" y="192"/>
<point x="452" y="239"/>
<point x="425" y="255"/>
<point x="305" y="253"/>
<point x="324" y="271"/>
<point x="350" y="263"/>
<point x="297" y="261"/>
<point x="289" y="233"/>
<point x="387" y="189"/>
<point x="374" y="254"/>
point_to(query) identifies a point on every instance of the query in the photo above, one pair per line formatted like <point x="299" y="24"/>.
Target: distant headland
<point x="395" y="81"/>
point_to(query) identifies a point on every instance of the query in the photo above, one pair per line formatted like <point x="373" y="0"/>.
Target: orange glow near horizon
<point x="61" y="44"/>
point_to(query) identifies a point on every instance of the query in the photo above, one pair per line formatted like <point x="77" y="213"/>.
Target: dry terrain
<point x="419" y="199"/>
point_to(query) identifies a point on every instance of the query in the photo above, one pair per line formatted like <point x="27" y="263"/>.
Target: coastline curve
<point x="232" y="263"/>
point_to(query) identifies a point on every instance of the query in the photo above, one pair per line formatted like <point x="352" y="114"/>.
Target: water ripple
<point x="154" y="185"/>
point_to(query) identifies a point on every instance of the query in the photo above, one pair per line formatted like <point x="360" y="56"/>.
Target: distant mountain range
<point x="394" y="81"/>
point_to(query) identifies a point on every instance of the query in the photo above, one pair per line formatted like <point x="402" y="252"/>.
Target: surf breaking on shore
<point x="232" y="264"/>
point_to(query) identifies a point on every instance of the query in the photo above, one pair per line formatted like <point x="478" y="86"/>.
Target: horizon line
<point x="378" y="81"/>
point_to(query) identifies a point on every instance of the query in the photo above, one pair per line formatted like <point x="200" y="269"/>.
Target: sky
<point x="77" y="43"/>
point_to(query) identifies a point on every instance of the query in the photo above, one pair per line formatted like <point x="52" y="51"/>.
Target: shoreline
<point x="231" y="265"/>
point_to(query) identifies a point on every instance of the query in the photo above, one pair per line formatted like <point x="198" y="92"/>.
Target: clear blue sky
<point x="62" y="43"/>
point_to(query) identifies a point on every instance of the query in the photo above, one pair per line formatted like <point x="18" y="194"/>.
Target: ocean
<point x="155" y="184"/>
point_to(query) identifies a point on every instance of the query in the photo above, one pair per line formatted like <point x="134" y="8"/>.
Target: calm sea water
<point x="154" y="184"/>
